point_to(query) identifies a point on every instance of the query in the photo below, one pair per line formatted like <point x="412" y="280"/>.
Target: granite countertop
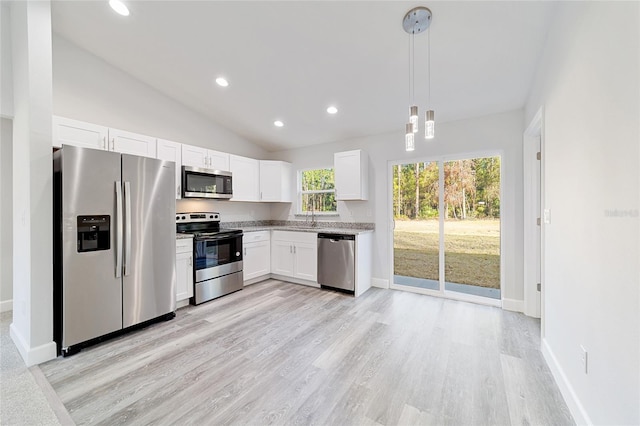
<point x="318" y="229"/>
<point x="344" y="228"/>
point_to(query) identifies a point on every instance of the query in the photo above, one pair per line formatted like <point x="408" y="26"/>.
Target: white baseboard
<point x="6" y="305"/>
<point x="182" y="303"/>
<point x="576" y="408"/>
<point x="257" y="280"/>
<point x="32" y="356"/>
<point x="294" y="280"/>
<point x="514" y="305"/>
<point x="379" y="282"/>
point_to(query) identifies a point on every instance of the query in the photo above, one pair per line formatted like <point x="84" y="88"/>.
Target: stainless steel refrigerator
<point x="114" y="244"/>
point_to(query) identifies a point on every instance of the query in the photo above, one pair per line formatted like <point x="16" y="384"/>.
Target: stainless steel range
<point x="217" y="254"/>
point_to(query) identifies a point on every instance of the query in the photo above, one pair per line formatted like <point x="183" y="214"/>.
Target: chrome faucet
<point x="313" y="218"/>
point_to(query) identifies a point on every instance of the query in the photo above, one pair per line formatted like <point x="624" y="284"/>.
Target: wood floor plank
<point x="279" y="353"/>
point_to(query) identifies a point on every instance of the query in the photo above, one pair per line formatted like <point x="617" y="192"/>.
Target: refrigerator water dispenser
<point x="93" y="233"/>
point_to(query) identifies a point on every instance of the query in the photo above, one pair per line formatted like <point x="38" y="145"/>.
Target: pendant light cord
<point x="429" y="68"/>
<point x="413" y="61"/>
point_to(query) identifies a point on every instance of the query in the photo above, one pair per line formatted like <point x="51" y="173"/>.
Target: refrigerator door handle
<point x="127" y="227"/>
<point x="119" y="219"/>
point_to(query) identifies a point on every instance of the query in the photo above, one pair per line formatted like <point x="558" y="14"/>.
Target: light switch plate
<point x="547" y="215"/>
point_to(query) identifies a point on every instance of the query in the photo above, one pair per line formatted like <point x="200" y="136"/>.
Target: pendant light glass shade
<point x="429" y="125"/>
<point x="409" y="138"/>
<point x="413" y="118"/>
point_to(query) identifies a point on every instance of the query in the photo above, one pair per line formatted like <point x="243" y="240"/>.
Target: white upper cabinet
<point x="275" y="181"/>
<point x="246" y="178"/>
<point x="172" y="151"/>
<point x="218" y="160"/>
<point x="79" y="133"/>
<point x="351" y="175"/>
<point x="88" y="135"/>
<point x="195" y="156"/>
<point x="132" y="143"/>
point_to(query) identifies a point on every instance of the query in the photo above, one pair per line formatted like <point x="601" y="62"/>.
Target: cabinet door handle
<point x="294" y="249"/>
<point x="291" y="249"/>
<point x="178" y="194"/>
<point x="245" y="251"/>
<point x="113" y="144"/>
<point x="190" y="260"/>
<point x="104" y="143"/>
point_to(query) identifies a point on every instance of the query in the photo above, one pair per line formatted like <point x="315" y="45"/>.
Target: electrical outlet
<point x="546" y="215"/>
<point x="584" y="359"/>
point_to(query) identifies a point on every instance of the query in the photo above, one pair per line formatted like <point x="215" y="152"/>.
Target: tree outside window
<point x="316" y="189"/>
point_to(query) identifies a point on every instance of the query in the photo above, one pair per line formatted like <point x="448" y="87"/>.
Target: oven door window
<point x="215" y="252"/>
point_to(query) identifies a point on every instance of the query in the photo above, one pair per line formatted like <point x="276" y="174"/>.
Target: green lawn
<point x="472" y="250"/>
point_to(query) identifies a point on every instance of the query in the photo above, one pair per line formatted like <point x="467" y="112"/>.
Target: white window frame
<point x="300" y="193"/>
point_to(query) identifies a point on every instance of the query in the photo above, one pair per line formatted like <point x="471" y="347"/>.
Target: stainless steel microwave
<point x="206" y="183"/>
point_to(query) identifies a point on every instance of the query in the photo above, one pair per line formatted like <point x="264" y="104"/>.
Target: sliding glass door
<point x="416" y="237"/>
<point x="472" y="226"/>
<point x="446" y="235"/>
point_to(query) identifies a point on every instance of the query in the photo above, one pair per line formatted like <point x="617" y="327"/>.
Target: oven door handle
<point x="216" y="238"/>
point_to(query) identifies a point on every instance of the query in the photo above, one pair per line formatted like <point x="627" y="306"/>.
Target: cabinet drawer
<point x="295" y="236"/>
<point x="253" y="237"/>
<point x="184" y="245"/>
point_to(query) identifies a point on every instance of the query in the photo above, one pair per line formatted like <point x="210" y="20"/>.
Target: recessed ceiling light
<point x="332" y="110"/>
<point x="221" y="81"/>
<point x="278" y="123"/>
<point x="119" y="7"/>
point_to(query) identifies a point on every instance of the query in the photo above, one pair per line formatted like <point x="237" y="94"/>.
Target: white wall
<point x="89" y="89"/>
<point x="6" y="215"/>
<point x="500" y="132"/>
<point x="588" y="84"/>
<point x="230" y="211"/>
<point x="6" y="71"/>
<point x="6" y="141"/>
<point x="32" y="326"/>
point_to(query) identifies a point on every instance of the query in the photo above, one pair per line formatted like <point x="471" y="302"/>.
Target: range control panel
<point x="197" y="217"/>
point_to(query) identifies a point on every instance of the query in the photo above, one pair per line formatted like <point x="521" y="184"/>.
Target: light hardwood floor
<point x="280" y="353"/>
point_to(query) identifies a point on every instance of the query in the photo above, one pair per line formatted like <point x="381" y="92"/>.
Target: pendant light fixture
<point x="429" y="122"/>
<point x="417" y="21"/>
<point x="409" y="138"/>
<point x="413" y="110"/>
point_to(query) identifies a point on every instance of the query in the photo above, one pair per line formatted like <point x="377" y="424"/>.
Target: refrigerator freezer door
<point x="149" y="279"/>
<point x="91" y="294"/>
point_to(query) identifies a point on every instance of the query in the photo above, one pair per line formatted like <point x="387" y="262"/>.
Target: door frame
<point x="442" y="292"/>
<point x="533" y="209"/>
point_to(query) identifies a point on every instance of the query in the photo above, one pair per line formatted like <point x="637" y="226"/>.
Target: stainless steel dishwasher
<point x="336" y="261"/>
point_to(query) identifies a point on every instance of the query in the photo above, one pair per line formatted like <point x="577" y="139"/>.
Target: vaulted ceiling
<point x="290" y="60"/>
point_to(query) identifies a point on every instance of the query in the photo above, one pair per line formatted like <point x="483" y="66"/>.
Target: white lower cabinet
<point x="295" y="254"/>
<point x="184" y="269"/>
<point x="257" y="255"/>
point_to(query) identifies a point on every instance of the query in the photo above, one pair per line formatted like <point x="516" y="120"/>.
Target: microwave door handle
<point x="119" y="219"/>
<point x="127" y="227"/>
